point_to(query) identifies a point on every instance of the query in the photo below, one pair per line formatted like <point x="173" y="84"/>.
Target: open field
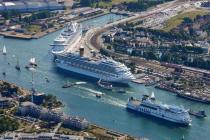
<point x="177" y="20"/>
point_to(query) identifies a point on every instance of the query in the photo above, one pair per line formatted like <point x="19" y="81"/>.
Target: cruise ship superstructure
<point x="151" y="107"/>
<point x="71" y="35"/>
<point x="100" y="68"/>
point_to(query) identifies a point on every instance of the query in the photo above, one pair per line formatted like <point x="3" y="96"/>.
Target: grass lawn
<point x="34" y="28"/>
<point x="177" y="20"/>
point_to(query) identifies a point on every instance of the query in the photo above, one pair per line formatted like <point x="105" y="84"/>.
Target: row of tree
<point x="142" y="5"/>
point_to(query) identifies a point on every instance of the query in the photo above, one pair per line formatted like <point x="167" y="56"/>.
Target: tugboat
<point x="104" y="84"/>
<point x="194" y="97"/>
<point x="200" y="114"/>
<point x="68" y="85"/>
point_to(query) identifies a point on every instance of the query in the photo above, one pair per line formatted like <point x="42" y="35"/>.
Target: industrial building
<point x="31" y="5"/>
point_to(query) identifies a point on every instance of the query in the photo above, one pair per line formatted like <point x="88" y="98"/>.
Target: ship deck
<point x="136" y="102"/>
<point x="75" y="48"/>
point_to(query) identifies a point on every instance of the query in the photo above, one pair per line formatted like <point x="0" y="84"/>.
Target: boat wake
<point x="114" y="101"/>
<point x="90" y="90"/>
<point x="106" y="98"/>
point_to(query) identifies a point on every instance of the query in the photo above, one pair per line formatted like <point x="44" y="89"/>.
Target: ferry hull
<point x="147" y="114"/>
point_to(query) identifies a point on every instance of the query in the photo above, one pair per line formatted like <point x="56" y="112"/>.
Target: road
<point x="57" y="127"/>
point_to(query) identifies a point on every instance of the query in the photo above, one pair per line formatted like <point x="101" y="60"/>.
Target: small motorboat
<point x="98" y="95"/>
<point x="68" y="85"/>
<point x="17" y="65"/>
<point x="4" y="73"/>
<point x="121" y="91"/>
<point x="105" y="84"/>
<point x="201" y="114"/>
<point x="47" y="80"/>
<point x="27" y="67"/>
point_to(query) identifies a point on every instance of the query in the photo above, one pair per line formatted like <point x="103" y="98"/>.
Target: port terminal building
<point x="31" y="5"/>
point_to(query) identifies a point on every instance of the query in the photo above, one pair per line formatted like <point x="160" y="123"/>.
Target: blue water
<point x="109" y="111"/>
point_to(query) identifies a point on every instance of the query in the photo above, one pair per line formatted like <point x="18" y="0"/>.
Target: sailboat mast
<point x="32" y="86"/>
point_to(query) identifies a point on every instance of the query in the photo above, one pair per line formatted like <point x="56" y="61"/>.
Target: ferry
<point x="153" y="108"/>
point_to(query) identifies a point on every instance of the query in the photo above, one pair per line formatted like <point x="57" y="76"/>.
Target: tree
<point x="85" y="2"/>
<point x="187" y="20"/>
<point x="109" y="47"/>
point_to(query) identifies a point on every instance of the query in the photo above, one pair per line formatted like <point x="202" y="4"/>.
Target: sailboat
<point x="17" y="65"/>
<point x="4" y="51"/>
<point x="152" y="96"/>
<point x="32" y="62"/>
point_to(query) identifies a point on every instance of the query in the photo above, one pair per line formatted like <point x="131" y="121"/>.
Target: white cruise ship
<point x="96" y="67"/>
<point x="150" y="107"/>
<point x="71" y="35"/>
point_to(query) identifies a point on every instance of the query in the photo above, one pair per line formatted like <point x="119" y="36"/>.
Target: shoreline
<point x="97" y="129"/>
<point x="22" y="36"/>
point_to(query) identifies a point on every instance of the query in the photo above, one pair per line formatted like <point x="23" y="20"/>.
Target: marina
<point x="81" y="98"/>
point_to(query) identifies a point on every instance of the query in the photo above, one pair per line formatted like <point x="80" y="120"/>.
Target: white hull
<point x="92" y="74"/>
<point x="158" y="114"/>
<point x="68" y="43"/>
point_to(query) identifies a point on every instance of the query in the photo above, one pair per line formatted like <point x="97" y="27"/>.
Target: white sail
<point x="152" y="95"/>
<point x="32" y="60"/>
<point x="4" y="50"/>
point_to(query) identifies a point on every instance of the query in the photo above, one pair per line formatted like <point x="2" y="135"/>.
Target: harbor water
<point x="109" y="111"/>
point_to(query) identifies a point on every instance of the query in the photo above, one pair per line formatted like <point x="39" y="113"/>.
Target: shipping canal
<point x="109" y="111"/>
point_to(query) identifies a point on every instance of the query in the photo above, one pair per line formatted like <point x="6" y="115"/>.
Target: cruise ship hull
<point x="91" y="75"/>
<point x="157" y="116"/>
